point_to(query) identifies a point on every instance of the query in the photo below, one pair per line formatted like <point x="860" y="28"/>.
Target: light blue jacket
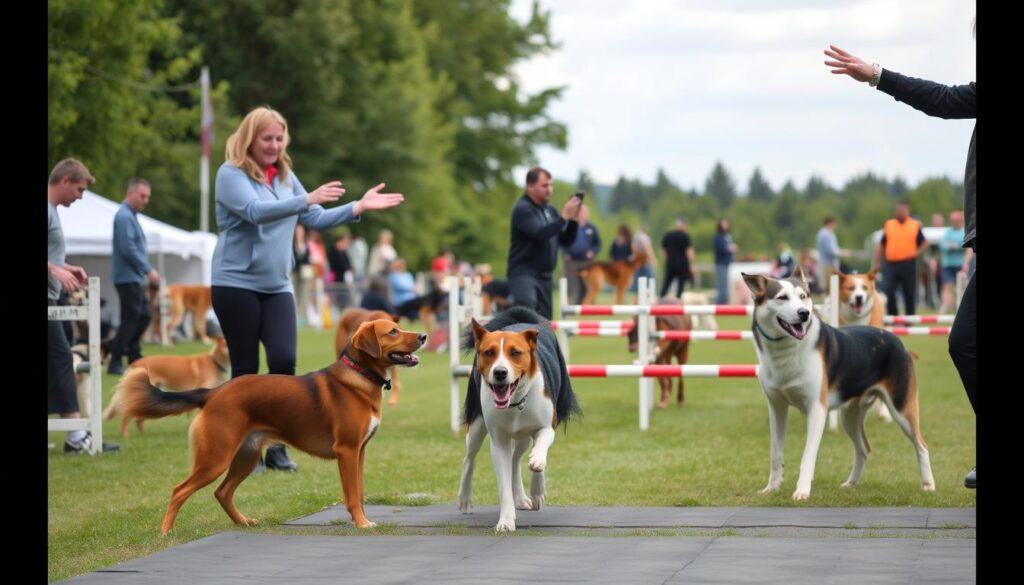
<point x="257" y="229"/>
<point x="129" y="260"/>
<point x="403" y="287"/>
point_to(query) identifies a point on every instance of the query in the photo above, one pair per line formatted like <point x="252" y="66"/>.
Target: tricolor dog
<point x="518" y="389"/>
<point x="860" y="303"/>
<point x="812" y="366"/>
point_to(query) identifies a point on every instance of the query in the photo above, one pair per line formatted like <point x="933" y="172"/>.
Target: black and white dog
<point x="519" y="389"/>
<point x="812" y="366"/>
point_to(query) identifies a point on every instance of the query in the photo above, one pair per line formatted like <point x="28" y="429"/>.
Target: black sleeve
<point x="568" y="235"/>
<point x="934" y="99"/>
<point x="532" y="227"/>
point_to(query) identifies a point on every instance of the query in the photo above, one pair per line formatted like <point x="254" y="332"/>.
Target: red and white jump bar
<point x="915" y="319"/>
<point x="663" y="371"/>
<point x="651" y="371"/>
<point x="658" y="310"/>
<point x="610" y="324"/>
<point x="919" y="330"/>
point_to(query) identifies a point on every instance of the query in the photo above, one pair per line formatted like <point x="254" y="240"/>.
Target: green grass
<point x="713" y="452"/>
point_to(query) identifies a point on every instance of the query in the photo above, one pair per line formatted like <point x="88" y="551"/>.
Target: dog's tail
<point x="136" y="398"/>
<point x="914" y="356"/>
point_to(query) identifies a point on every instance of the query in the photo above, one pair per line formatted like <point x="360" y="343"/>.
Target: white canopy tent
<point x="180" y="256"/>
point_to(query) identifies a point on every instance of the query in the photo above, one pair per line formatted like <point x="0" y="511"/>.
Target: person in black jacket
<point x="949" y="102"/>
<point x="537" y="230"/>
<point x="679" y="262"/>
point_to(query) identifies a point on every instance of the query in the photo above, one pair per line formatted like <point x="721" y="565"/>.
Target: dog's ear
<point x="395" y="318"/>
<point x="840" y="274"/>
<point x="478" y="332"/>
<point x="365" y="339"/>
<point x="757" y="283"/>
<point x="531" y="338"/>
<point x="798" y="272"/>
<point x="872" y="274"/>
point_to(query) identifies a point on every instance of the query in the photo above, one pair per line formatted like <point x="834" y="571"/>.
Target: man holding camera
<point x="536" y="232"/>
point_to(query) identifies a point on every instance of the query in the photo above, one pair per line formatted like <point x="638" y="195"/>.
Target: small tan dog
<point x="180" y="372"/>
<point x="618" y="273"/>
<point x="196" y="299"/>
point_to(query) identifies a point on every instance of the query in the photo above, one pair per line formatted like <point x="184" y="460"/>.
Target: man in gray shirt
<point x="68" y="181"/>
<point x="828" y="251"/>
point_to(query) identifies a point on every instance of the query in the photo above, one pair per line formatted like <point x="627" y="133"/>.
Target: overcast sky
<point x="679" y="85"/>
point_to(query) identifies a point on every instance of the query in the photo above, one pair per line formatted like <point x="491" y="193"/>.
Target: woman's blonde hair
<point x="237" y="150"/>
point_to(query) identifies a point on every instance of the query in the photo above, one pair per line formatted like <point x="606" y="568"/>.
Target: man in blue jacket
<point x="131" y="270"/>
<point x="580" y="254"/>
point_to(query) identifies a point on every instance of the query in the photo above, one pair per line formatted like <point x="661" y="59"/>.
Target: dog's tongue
<point x="798" y="328"/>
<point x="502" y="394"/>
<point x="858" y="309"/>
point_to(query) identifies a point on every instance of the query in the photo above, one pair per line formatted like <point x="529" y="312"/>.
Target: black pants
<point x="61" y="391"/>
<point x="135" y="317"/>
<point x="678" y="274"/>
<point x="247" y="318"/>
<point x="901" y="276"/>
<point x="963" y="341"/>
<point x="577" y="287"/>
<point x="532" y="291"/>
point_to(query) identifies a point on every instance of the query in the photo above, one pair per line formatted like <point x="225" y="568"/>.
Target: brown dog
<point x="331" y="413"/>
<point x="348" y="323"/>
<point x="667" y="348"/>
<point x="195" y="299"/>
<point x="618" y="273"/>
<point x="180" y="372"/>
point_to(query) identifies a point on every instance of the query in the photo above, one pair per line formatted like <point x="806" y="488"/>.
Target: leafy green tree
<point x="122" y="98"/>
<point x="721" y="186"/>
<point x="758" y="188"/>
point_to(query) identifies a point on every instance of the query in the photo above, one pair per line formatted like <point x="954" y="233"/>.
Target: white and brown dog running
<point x="812" y="366"/>
<point x="519" y="389"/>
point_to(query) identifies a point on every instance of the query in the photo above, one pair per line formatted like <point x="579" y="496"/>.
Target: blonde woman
<point x="259" y="201"/>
